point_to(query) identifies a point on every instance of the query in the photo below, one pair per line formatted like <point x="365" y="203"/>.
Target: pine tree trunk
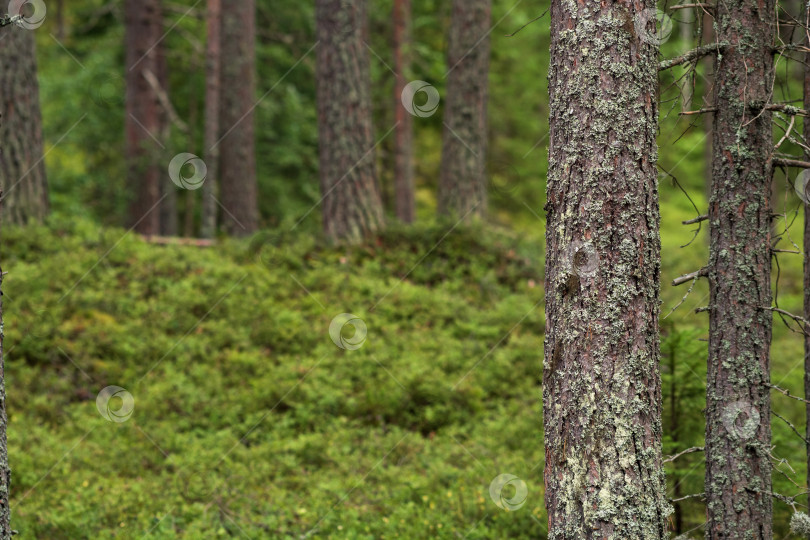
<point x="168" y="190"/>
<point x="237" y="149"/>
<point x="22" y="165"/>
<point x="142" y="20"/>
<point x="212" y="99"/>
<point x="5" y="470"/>
<point x="403" y="133"/>
<point x="601" y="381"/>
<point x="463" y="177"/>
<point x="806" y="246"/>
<point x="351" y="204"/>
<point x="738" y="434"/>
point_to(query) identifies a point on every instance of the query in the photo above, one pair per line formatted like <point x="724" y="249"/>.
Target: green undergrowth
<point x="250" y="422"/>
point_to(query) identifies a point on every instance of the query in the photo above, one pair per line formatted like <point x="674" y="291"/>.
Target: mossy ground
<point x="250" y="423"/>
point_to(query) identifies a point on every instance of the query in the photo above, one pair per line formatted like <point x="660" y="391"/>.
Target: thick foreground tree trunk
<point x="463" y="175"/>
<point x="403" y="133"/>
<point x="351" y="204"/>
<point x="601" y="381"/>
<point x="738" y="428"/>
<point x="212" y="98"/>
<point x="237" y="150"/>
<point x="142" y="19"/>
<point x="22" y="166"/>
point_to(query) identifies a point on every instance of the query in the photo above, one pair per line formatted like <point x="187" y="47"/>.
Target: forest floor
<point x="249" y="421"/>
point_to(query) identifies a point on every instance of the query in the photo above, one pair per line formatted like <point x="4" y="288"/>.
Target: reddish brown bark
<point x="351" y="206"/>
<point x="212" y="104"/>
<point x="738" y="434"/>
<point x="237" y="148"/>
<point x="601" y="383"/>
<point x="22" y="166"/>
<point x="403" y="133"/>
<point x="142" y="21"/>
<point x="463" y="180"/>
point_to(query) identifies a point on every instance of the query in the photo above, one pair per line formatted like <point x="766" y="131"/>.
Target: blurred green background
<point x="249" y="422"/>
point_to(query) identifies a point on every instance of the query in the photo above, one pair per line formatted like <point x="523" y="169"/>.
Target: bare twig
<point x="692" y="496"/>
<point x="787" y="109"/>
<point x="784" y="162"/>
<point x="786" y="392"/>
<point x="694" y="54"/>
<point x="698" y="219"/>
<point x="164" y="100"/>
<point x="699" y="111"/>
<point x="528" y="23"/>
<point x="679" y="454"/>
<point x="786" y="421"/>
<point x="703" y="272"/>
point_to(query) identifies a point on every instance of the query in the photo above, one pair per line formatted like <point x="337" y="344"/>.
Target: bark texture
<point x="351" y="205"/>
<point x="738" y="434"/>
<point x="212" y="98"/>
<point x="22" y="166"/>
<point x="5" y="470"/>
<point x="463" y="177"/>
<point x="168" y="190"/>
<point x="403" y="133"/>
<point x="601" y="382"/>
<point x="142" y="19"/>
<point x="806" y="245"/>
<point x="237" y="149"/>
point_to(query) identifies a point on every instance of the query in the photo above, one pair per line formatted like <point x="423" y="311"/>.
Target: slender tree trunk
<point x="168" y="190"/>
<point x="212" y="98"/>
<point x="237" y="149"/>
<point x="674" y="431"/>
<point x="351" y="204"/>
<point x="142" y="20"/>
<point x="807" y="260"/>
<point x="601" y="380"/>
<point x="5" y="470"/>
<point x="22" y="164"/>
<point x="463" y="177"/>
<point x="403" y="133"/>
<point x="738" y="433"/>
<point x="60" y="19"/>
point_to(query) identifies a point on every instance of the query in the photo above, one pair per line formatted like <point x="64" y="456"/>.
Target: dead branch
<point x="786" y="421"/>
<point x="174" y="241"/>
<point x="703" y="272"/>
<point x="786" y="392"/>
<point x="699" y="111"/>
<point x="698" y="219"/>
<point x="164" y="100"/>
<point x="692" y="496"/>
<point x="687" y="451"/>
<point x="694" y="54"/>
<point x="784" y="162"/>
<point x="787" y="109"/>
